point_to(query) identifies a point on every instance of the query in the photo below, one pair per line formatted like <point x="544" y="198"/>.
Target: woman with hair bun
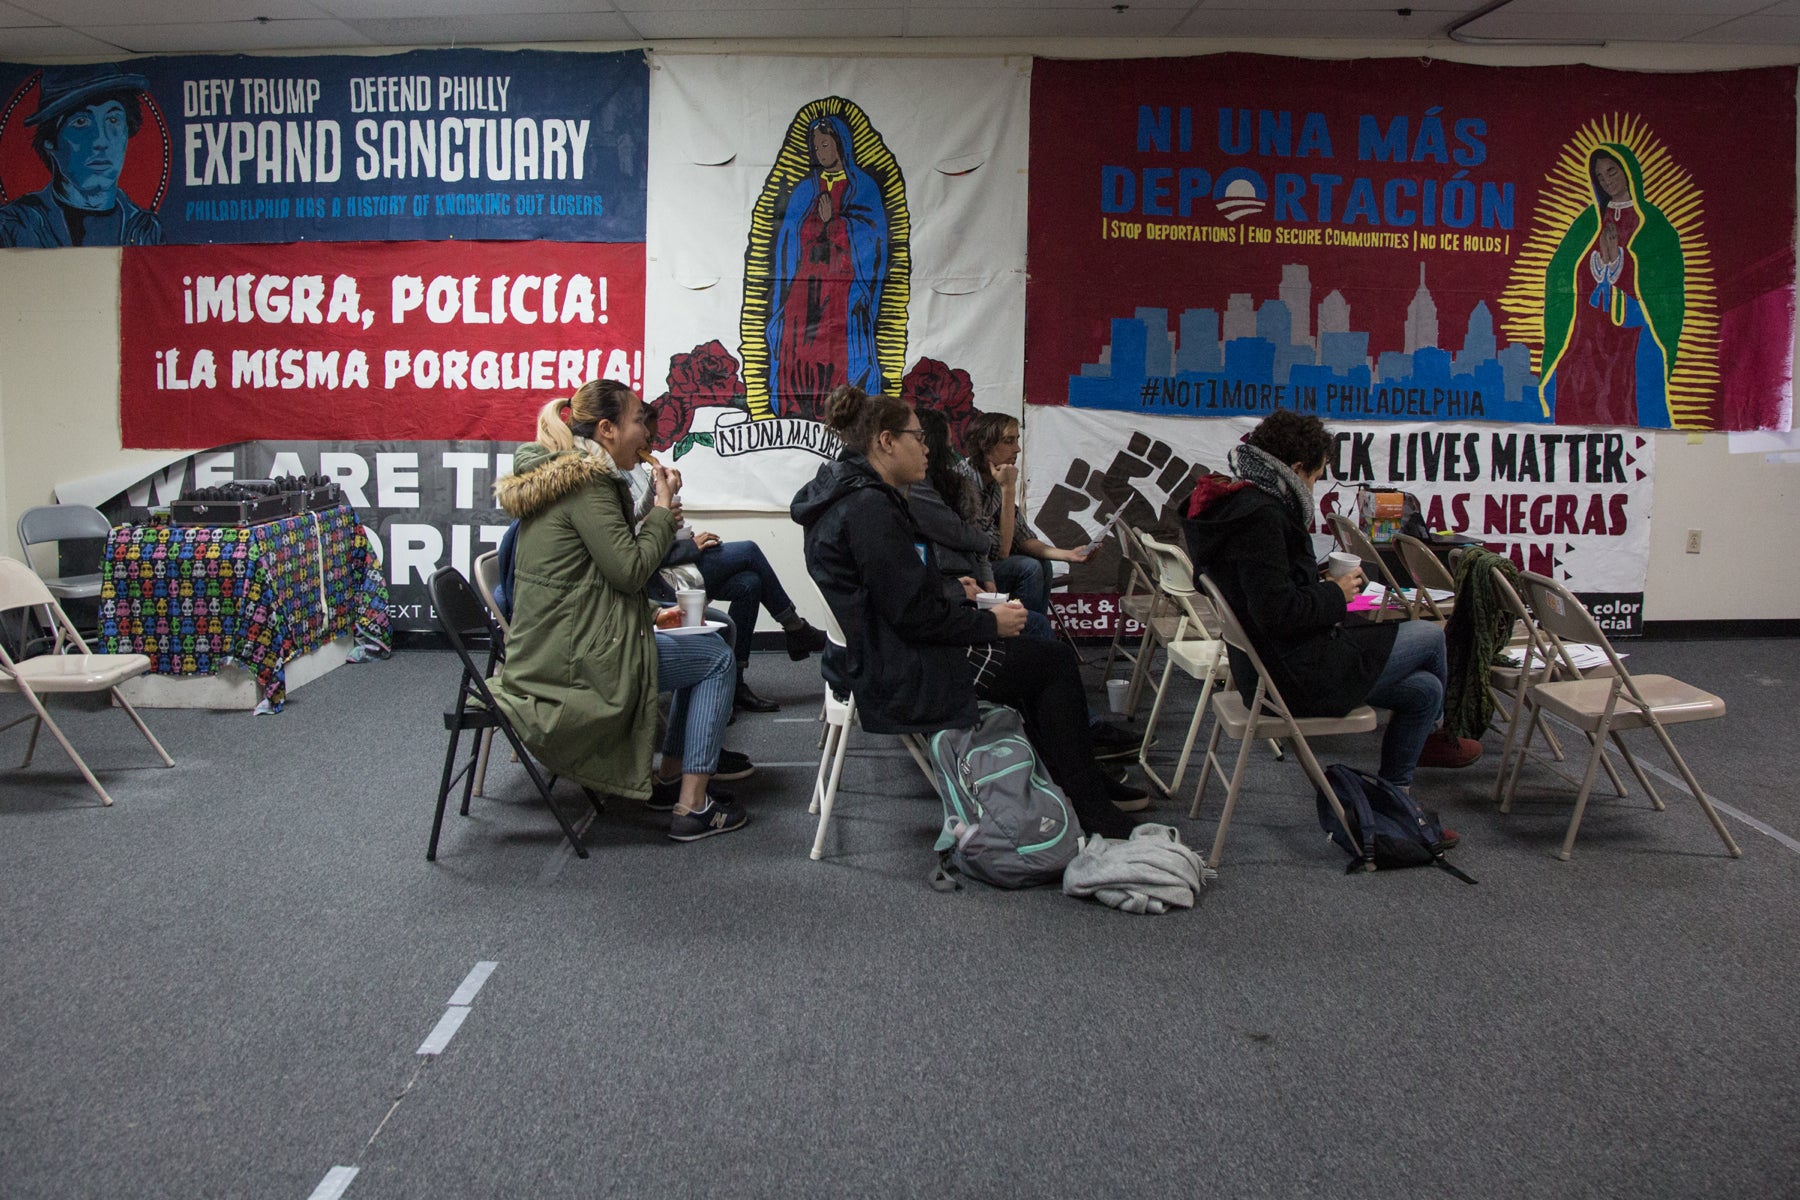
<point x="584" y="659"/>
<point x="915" y="659"/>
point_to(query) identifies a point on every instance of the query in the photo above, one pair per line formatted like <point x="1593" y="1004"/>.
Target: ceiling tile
<point x="383" y="10"/>
<point x="1041" y="22"/>
<point x="1624" y="9"/>
<point x="84" y="13"/>
<point x="1611" y="26"/>
<point x="1101" y="8"/>
<point x="633" y="8"/>
<point x="49" y="43"/>
<point x="18" y="18"/>
<point x="770" y="23"/>
<point x="1762" y="29"/>
<point x="497" y="29"/>
<point x="229" y="37"/>
<point x="1384" y="23"/>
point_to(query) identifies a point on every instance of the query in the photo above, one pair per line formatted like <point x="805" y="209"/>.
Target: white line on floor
<point x="334" y="1183"/>
<point x="445" y="1029"/>
<point x="812" y="720"/>
<point x="472" y="982"/>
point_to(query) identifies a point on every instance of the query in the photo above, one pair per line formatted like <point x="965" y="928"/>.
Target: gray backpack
<point x="1004" y="823"/>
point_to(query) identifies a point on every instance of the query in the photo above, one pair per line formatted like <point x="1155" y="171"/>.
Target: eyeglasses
<point x="914" y="432"/>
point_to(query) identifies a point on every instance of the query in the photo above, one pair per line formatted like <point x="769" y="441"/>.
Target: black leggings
<point x="1041" y="680"/>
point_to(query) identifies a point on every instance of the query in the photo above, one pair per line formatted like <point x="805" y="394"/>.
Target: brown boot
<point x="1445" y="749"/>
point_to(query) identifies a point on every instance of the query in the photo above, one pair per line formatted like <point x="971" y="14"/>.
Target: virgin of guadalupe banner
<point x="1399" y="239"/>
<point x="1572" y="503"/>
<point x="433" y="144"/>
<point x="816" y="223"/>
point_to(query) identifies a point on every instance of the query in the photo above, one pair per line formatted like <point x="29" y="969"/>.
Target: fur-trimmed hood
<point x="542" y="476"/>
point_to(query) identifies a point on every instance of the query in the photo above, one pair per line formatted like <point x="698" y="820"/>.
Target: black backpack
<point x="1393" y="831"/>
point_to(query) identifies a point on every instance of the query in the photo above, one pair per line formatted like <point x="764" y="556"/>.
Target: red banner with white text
<point x="368" y="340"/>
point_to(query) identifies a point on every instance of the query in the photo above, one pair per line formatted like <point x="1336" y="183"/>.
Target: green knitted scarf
<point x="1476" y="634"/>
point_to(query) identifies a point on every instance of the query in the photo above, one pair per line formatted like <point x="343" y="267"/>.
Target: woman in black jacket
<point x="916" y="660"/>
<point x="1249" y="534"/>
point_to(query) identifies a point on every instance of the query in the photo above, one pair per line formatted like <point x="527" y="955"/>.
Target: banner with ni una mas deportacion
<point x="1410" y="240"/>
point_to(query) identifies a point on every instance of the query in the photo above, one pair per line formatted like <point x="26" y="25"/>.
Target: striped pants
<point x="701" y="673"/>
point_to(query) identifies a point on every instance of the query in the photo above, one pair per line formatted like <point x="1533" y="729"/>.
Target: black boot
<point x="803" y="639"/>
<point x="749" y="701"/>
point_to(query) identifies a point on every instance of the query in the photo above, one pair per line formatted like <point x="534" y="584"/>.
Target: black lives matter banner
<point x="1571" y="503"/>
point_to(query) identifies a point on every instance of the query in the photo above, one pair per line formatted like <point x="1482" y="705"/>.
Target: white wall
<point x="59" y="353"/>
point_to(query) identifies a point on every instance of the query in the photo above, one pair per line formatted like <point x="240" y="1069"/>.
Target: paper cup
<point x="990" y="599"/>
<point x="1116" y="691"/>
<point x="1342" y="564"/>
<point x="693" y="606"/>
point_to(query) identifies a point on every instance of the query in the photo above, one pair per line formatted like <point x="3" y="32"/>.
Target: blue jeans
<point x="1411" y="686"/>
<point x="739" y="576"/>
<point x="699" y="670"/>
<point x="1026" y="578"/>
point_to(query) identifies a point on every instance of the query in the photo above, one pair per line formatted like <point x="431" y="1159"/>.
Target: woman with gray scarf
<point x="1250" y="534"/>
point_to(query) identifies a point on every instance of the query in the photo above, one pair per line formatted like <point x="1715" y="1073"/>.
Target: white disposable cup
<point x="693" y="606"/>
<point x="990" y="599"/>
<point x="1116" y="690"/>
<point x="1342" y="564"/>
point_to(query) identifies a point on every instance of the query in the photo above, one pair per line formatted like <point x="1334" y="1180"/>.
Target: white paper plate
<point x="684" y="630"/>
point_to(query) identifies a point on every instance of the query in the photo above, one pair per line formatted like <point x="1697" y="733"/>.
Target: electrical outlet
<point x="1693" y="541"/>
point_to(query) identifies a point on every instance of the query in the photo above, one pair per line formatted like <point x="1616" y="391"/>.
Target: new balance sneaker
<point x="1113" y="741"/>
<point x="714" y="818"/>
<point x="666" y="794"/>
<point x="1126" y="796"/>
<point x="733" y="765"/>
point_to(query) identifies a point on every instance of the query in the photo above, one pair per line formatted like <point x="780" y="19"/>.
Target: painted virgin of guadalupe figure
<point x="830" y="264"/>
<point x="1614" y="303"/>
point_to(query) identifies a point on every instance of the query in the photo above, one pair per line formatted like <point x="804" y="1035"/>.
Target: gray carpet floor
<point x="217" y="987"/>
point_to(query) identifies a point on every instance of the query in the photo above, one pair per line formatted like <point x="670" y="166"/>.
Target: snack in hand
<point x="645" y="458"/>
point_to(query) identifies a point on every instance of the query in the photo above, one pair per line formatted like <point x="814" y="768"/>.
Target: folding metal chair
<point x="68" y="666"/>
<point x="1604" y="706"/>
<point x="1200" y="656"/>
<point x="1428" y="573"/>
<point x="1150" y="608"/>
<point x="486" y="569"/>
<point x="1267" y="715"/>
<point x="465" y="622"/>
<point x="1352" y="540"/>
<point x="53" y="524"/>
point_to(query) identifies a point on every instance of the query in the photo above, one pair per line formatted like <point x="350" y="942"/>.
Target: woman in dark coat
<point x="916" y="660"/>
<point x="1250" y="535"/>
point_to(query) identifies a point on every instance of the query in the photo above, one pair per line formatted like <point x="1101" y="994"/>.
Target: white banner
<point x="1571" y="502"/>
<point x="815" y="222"/>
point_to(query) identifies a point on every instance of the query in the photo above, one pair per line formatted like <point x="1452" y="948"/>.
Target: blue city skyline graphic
<point x="1253" y="358"/>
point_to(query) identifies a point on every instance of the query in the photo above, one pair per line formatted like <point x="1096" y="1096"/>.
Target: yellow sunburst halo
<point x="1692" y="385"/>
<point x="792" y="163"/>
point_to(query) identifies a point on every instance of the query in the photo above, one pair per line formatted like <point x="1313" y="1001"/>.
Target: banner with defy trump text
<point x="379" y="340"/>
<point x="1410" y="240"/>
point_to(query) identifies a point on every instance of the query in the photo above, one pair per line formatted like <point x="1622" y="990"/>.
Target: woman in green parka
<point x="584" y="659"/>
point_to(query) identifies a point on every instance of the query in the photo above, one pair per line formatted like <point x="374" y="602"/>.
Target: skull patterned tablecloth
<point x="195" y="597"/>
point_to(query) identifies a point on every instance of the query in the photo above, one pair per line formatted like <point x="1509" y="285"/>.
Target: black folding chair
<point x="465" y="621"/>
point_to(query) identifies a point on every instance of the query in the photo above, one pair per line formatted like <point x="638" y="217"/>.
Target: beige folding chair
<point x="1195" y="648"/>
<point x="1428" y="573"/>
<point x="1604" y="706"/>
<point x="1267" y="715"/>
<point x="69" y="666"/>
<point x="1151" y="609"/>
<point x="839" y="715"/>
<point x="1352" y="540"/>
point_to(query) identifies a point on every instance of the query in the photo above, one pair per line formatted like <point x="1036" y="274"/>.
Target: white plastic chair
<point x="62" y="671"/>
<point x="839" y="715"/>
